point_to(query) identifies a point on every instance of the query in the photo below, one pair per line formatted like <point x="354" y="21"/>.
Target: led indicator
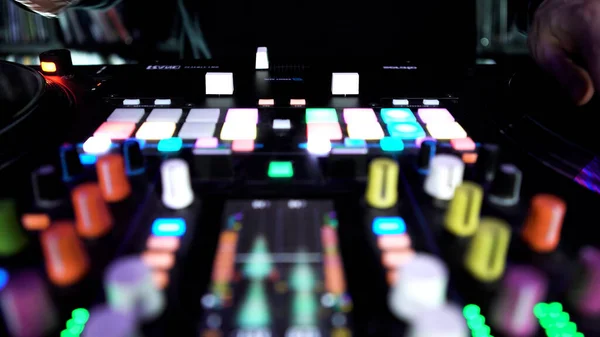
<point x="168" y="227"/>
<point x="3" y="278"/>
<point x="476" y="321"/>
<point x="75" y="325"/>
<point x="48" y="67"/>
<point x="554" y="320"/>
<point x="389" y="226"/>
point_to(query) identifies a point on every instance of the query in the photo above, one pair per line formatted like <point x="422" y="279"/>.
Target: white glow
<point x="431" y="102"/>
<point x="282" y="124"/>
<point x="133" y="101"/>
<point x="262" y="59"/>
<point x="318" y="146"/>
<point x="237" y="131"/>
<point x="176" y="184"/>
<point x="219" y="83"/>
<point x="97" y="145"/>
<point x="400" y="102"/>
<point x="344" y="83"/>
<point x="165" y="101"/>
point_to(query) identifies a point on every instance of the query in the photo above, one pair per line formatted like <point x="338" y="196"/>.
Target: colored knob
<point x="506" y="187"/>
<point x="426" y="153"/>
<point x="92" y="216"/>
<point x="48" y="189"/>
<point x="488" y="157"/>
<point x="541" y="231"/>
<point x="585" y="293"/>
<point x="112" y="178"/>
<point x="176" y="184"/>
<point x="56" y="62"/>
<point x="382" y="186"/>
<point x="462" y="217"/>
<point x="512" y="311"/>
<point x="486" y="254"/>
<point x="129" y="288"/>
<point x="27" y="306"/>
<point x="105" y="321"/>
<point x="12" y="237"/>
<point x="66" y="260"/>
<point x="70" y="163"/>
<point x="445" y="174"/>
<point x="445" y="321"/>
<point x="134" y="158"/>
<point x="420" y="286"/>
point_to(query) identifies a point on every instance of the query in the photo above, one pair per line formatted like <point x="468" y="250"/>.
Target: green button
<point x="280" y="169"/>
<point x="12" y="236"/>
<point x="321" y="116"/>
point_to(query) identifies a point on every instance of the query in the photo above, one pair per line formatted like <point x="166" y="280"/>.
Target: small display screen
<point x="277" y="272"/>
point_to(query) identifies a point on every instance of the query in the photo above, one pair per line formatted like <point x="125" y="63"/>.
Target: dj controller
<point x="296" y="201"/>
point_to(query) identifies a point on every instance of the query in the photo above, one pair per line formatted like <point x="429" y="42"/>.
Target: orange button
<point x="35" y="222"/>
<point x="113" y="178"/>
<point x="92" y="216"/>
<point x="66" y="259"/>
<point x="543" y="224"/>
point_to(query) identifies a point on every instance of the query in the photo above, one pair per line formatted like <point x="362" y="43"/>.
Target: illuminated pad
<point x="165" y="115"/>
<point x="197" y="130"/>
<point x="443" y="131"/>
<point x="155" y="130"/>
<point x="321" y="116"/>
<point x="352" y="116"/>
<point x="368" y="131"/>
<point x="330" y="131"/>
<point x="203" y="115"/>
<point x="236" y="131"/>
<point x="126" y="115"/>
<point x="241" y="116"/>
<point x="407" y="130"/>
<point x="435" y="116"/>
<point x="242" y="145"/>
<point x="219" y="83"/>
<point x="344" y="83"/>
<point x="399" y="115"/>
<point x="115" y="130"/>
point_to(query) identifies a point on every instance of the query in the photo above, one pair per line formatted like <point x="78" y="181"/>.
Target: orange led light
<point x="266" y="101"/>
<point x="48" y="67"/>
<point x="35" y="222"/>
<point x="297" y="102"/>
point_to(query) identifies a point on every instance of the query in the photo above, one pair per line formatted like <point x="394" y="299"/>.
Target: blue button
<point x="353" y="142"/>
<point x="87" y="159"/>
<point x="389" y="225"/>
<point x="173" y="144"/>
<point x="3" y="278"/>
<point x="391" y="144"/>
<point x="408" y="130"/>
<point x="168" y="227"/>
<point x="397" y="115"/>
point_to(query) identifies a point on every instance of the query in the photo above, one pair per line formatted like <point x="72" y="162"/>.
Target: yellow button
<point x="341" y="332"/>
<point x="462" y="217"/>
<point x="382" y="184"/>
<point x="486" y="255"/>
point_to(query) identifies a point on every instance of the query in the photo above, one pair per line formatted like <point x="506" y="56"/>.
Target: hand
<point x="564" y="30"/>
<point x="49" y="8"/>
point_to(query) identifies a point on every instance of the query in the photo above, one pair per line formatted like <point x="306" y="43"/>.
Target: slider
<point x="541" y="231"/>
<point x="486" y="254"/>
<point x="382" y="183"/>
<point x="177" y="192"/>
<point x="462" y="217"/>
<point x="445" y="174"/>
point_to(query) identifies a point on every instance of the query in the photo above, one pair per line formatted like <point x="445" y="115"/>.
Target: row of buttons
<point x="269" y="101"/>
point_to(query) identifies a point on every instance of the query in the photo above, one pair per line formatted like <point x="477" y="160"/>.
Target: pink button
<point x="206" y="143"/>
<point x="331" y="131"/>
<point x="242" y="145"/>
<point x="463" y="144"/>
<point x="435" y="115"/>
<point x="352" y="116"/>
<point x="115" y="130"/>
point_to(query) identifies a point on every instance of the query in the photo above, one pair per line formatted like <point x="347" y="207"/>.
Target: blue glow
<point x="353" y="142"/>
<point x="168" y="227"/>
<point x="391" y="144"/>
<point x="87" y="159"/>
<point x="3" y="278"/>
<point x="399" y="115"/>
<point x="172" y="144"/>
<point x="389" y="225"/>
<point x="408" y="130"/>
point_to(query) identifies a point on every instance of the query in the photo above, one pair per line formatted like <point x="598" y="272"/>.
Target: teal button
<point x="324" y="115"/>
<point x="280" y="169"/>
<point x="173" y="144"/>
<point x="399" y="115"/>
<point x="406" y="130"/>
<point x="391" y="144"/>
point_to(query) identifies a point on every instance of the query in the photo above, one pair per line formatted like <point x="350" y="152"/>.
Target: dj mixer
<point x="203" y="200"/>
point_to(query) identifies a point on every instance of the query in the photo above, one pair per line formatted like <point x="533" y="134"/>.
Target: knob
<point x="105" y="321"/>
<point x="27" y="306"/>
<point x="426" y="153"/>
<point x="462" y="217"/>
<point x="506" y="186"/>
<point x="541" y="231"/>
<point x="176" y="184"/>
<point x="48" y="189"/>
<point x="56" y="62"/>
<point x="66" y="260"/>
<point x="512" y="310"/>
<point x="112" y="178"/>
<point x="486" y="255"/>
<point x="12" y="237"/>
<point x="134" y="158"/>
<point x="382" y="184"/>
<point x="70" y="162"/>
<point x="445" y="321"/>
<point x="130" y="289"/>
<point x="420" y="286"/>
<point x="487" y="162"/>
<point x="445" y="174"/>
<point x="585" y="294"/>
<point x="92" y="216"/>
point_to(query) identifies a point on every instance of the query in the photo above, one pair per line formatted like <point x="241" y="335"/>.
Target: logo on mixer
<point x="163" y="67"/>
<point x="285" y="79"/>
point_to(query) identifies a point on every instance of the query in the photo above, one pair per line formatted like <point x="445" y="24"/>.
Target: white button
<point x="431" y="102"/>
<point x="165" y="115"/>
<point x="445" y="174"/>
<point x="400" y="102"/>
<point x="446" y="321"/>
<point x="421" y="285"/>
<point x="219" y="83"/>
<point x="134" y="101"/>
<point x="344" y="83"/>
<point x="176" y="184"/>
<point x="197" y="130"/>
<point x="262" y="59"/>
<point x="318" y="146"/>
<point x="282" y="124"/>
<point x="105" y="321"/>
<point x="126" y="115"/>
<point x="203" y="115"/>
<point x="165" y="101"/>
<point x="97" y="145"/>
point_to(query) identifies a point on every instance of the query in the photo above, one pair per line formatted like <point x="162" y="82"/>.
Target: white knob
<point x="177" y="192"/>
<point x="420" y="286"/>
<point x="445" y="174"/>
<point x="262" y="59"/>
<point x="219" y="83"/>
<point x="445" y="321"/>
<point x="130" y="288"/>
<point x="344" y="83"/>
<point x="105" y="321"/>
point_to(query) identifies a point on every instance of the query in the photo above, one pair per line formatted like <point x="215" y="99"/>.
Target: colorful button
<point x="444" y="131"/>
<point x="197" y="130"/>
<point x="353" y="142"/>
<point x="172" y="144"/>
<point x="352" y="116"/>
<point x="321" y="116"/>
<point x="165" y="115"/>
<point x="168" y="227"/>
<point x="206" y="143"/>
<point x="406" y="130"/>
<point x="243" y="116"/>
<point x="391" y="144"/>
<point x="203" y="115"/>
<point x="435" y="116"/>
<point x="126" y="115"/>
<point x="389" y="225"/>
<point x="242" y="145"/>
<point x="399" y="115"/>
<point x="115" y="130"/>
<point x="366" y="131"/>
<point x="238" y="131"/>
<point x="330" y="131"/>
<point x="155" y="130"/>
<point x="280" y="169"/>
<point x="97" y="145"/>
<point x="463" y="144"/>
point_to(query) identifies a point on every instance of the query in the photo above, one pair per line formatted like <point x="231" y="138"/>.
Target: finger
<point x="591" y="55"/>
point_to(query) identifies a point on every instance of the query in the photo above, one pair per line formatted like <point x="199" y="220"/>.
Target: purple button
<point x="585" y="294"/>
<point x="106" y="322"/>
<point x="436" y="115"/>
